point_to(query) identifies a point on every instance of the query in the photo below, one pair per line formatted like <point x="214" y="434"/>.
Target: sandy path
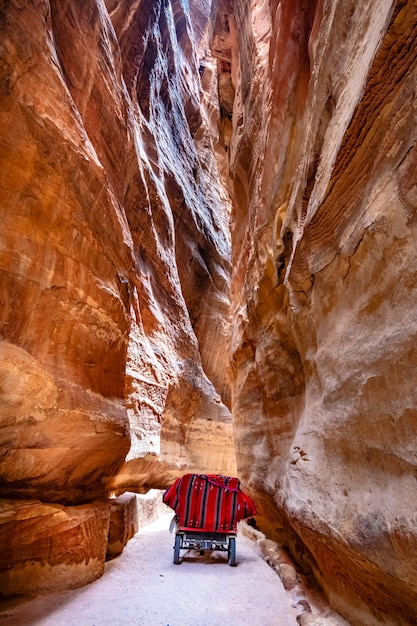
<point x="143" y="587"/>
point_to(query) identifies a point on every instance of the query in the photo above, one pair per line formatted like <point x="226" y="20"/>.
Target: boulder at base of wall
<point x="50" y="547"/>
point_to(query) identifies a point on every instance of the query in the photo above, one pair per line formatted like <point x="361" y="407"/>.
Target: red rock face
<point x="65" y="314"/>
<point x="322" y="157"/>
<point x="120" y="122"/>
<point x="115" y="258"/>
<point x="115" y="252"/>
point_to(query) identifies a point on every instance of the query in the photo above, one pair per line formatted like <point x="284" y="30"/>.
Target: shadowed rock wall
<point x="322" y="168"/>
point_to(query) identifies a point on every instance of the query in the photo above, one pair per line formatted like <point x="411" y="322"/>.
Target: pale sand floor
<point x="143" y="587"/>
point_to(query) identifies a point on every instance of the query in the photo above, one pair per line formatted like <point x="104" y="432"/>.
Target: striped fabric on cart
<point x="209" y="501"/>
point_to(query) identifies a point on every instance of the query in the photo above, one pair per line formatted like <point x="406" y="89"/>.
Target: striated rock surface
<point x="322" y="167"/>
<point x="126" y="128"/>
<point x="114" y="252"/>
<point x="50" y="547"/>
<point x="176" y="371"/>
<point x="115" y="255"/>
<point x="63" y="281"/>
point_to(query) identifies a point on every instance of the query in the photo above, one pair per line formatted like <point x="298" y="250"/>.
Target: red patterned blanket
<point x="209" y="502"/>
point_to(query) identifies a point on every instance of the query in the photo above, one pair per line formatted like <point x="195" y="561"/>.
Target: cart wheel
<point x="177" y="547"/>
<point x="232" y="551"/>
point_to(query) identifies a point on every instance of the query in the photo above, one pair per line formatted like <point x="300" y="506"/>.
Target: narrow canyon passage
<point x="142" y="587"/>
<point x="208" y="264"/>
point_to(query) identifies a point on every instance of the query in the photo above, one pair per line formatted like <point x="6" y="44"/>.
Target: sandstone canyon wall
<point x="115" y="273"/>
<point x="322" y="164"/>
<point x="125" y="298"/>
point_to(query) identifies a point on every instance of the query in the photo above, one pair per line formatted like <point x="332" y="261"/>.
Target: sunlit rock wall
<point x="64" y="270"/>
<point x="323" y="177"/>
<point x="114" y="251"/>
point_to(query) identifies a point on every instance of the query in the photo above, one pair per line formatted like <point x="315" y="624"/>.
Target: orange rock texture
<point x="114" y="247"/>
<point x="136" y="318"/>
<point x="115" y="253"/>
<point x="51" y="547"/>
